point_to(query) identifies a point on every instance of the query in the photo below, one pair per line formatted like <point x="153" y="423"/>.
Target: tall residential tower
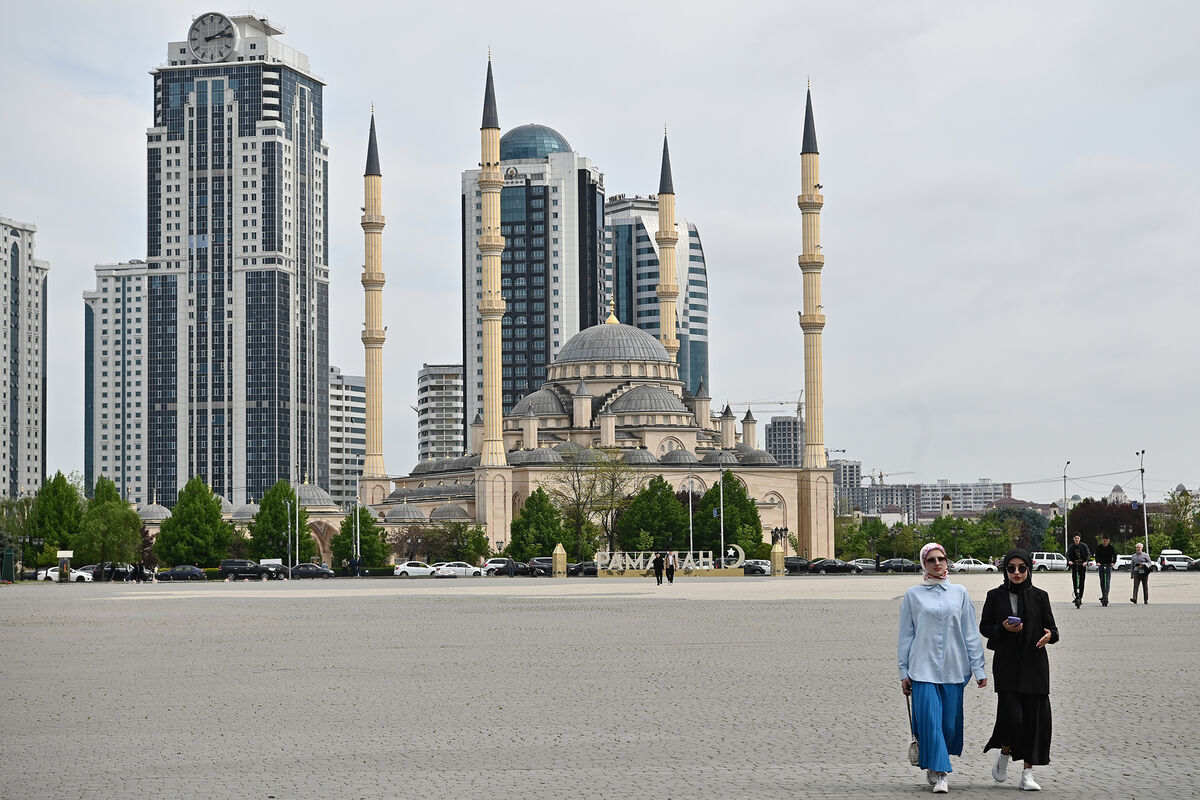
<point x="23" y="377"/>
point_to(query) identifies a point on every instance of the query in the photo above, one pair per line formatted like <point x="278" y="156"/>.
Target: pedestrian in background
<point x="658" y="563"/>
<point x="1139" y="570"/>
<point x="1018" y="623"/>
<point x="1077" y="559"/>
<point x="672" y="565"/>
<point x="1106" y="556"/>
<point x="938" y="652"/>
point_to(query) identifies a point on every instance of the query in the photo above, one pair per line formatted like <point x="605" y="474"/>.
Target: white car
<point x="457" y="569"/>
<point x="971" y="565"/>
<point x="1173" y="559"/>
<point x="77" y="575"/>
<point x="1052" y="562"/>
<point x="412" y="568"/>
<point x="494" y="566"/>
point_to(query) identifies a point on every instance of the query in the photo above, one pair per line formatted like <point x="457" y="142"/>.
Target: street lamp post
<point x="1066" y="506"/>
<point x="722" y="495"/>
<point x="691" y="491"/>
<point x="1141" y="454"/>
<point x="956" y="530"/>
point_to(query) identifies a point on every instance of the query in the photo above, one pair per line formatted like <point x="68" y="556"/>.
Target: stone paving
<point x="532" y="688"/>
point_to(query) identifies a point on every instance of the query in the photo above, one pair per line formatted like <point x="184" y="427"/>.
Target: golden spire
<point x="612" y="312"/>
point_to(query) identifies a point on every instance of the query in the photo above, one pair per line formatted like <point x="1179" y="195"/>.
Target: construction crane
<point x="880" y="475"/>
<point x="797" y="403"/>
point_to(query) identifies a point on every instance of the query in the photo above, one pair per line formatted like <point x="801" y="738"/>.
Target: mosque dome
<point x="403" y="512"/>
<point x="612" y="342"/>
<point x="677" y="456"/>
<point x="532" y="141"/>
<point x="543" y="455"/>
<point x="759" y="458"/>
<point x="450" y="511"/>
<point x="309" y="495"/>
<point x="639" y="456"/>
<point x="720" y="457"/>
<point x="648" y="399"/>
<point x="245" y="512"/>
<point x="154" y="513"/>
<point x="543" y="403"/>
<point x="226" y="506"/>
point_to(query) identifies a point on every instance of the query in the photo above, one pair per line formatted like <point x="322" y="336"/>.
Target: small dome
<point x="246" y="512"/>
<point x="532" y="141"/>
<point x="543" y="403"/>
<point x="154" y="513"/>
<point x="639" y="456"/>
<point x="568" y="449"/>
<point x="449" y="511"/>
<point x="543" y="455"/>
<point x="1117" y="489"/>
<point x="226" y="506"/>
<point x="678" y="456"/>
<point x="309" y="495"/>
<point x="648" y="399"/>
<point x="743" y="449"/>
<point x="720" y="457"/>
<point x="612" y="342"/>
<point x="404" y="512"/>
<point x="759" y="458"/>
<point x="590" y="455"/>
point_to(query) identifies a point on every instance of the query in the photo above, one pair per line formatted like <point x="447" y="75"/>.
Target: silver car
<point x="457" y="569"/>
<point x="971" y="565"/>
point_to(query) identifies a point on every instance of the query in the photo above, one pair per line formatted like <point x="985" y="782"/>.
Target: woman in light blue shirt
<point x="939" y="651"/>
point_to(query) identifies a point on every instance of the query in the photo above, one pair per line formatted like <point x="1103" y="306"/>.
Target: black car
<point x="241" y="568"/>
<point x="754" y="568"/>
<point x="582" y="568"/>
<point x="899" y="565"/>
<point x="182" y="572"/>
<point x="311" y="571"/>
<point x="1194" y="565"/>
<point x="795" y="565"/>
<point x="825" y="565"/>
<point x="108" y="571"/>
<point x="542" y="566"/>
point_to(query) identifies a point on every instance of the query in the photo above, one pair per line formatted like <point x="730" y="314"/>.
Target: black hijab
<point x="1024" y="585"/>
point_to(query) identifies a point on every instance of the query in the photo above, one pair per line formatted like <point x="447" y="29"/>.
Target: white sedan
<point x="412" y="568"/>
<point x="78" y="576"/>
<point x="457" y="569"/>
<point x="971" y="565"/>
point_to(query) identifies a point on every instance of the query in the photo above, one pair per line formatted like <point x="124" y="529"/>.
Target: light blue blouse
<point x="939" y="636"/>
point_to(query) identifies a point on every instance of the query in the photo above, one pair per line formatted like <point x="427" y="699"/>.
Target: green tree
<point x="110" y="531"/>
<point x="536" y="530"/>
<point x="1179" y="523"/>
<point x="849" y="538"/>
<point x="273" y="529"/>
<point x="372" y="545"/>
<point x="105" y="491"/>
<point x="615" y="482"/>
<point x="750" y="539"/>
<point x="194" y="533"/>
<point x="57" y="513"/>
<point x="657" y="511"/>
<point x="16" y="521"/>
<point x="739" y="510"/>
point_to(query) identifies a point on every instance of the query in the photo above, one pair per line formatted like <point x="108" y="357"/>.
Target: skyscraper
<point x="632" y="274"/>
<point x="785" y="439"/>
<point x="237" y="352"/>
<point x="552" y="266"/>
<point x="347" y="435"/>
<point x="23" y="343"/>
<point x="440" y="411"/>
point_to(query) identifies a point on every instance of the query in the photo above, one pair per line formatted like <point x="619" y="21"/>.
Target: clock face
<point x="212" y="37"/>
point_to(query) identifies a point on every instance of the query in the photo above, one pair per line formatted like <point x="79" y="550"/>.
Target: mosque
<point x="613" y="391"/>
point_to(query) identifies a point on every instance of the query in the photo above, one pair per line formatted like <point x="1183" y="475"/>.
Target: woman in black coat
<point x="1018" y="623"/>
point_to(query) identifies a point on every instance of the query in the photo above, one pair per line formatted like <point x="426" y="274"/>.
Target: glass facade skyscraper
<point x="631" y="267"/>
<point x="237" y="287"/>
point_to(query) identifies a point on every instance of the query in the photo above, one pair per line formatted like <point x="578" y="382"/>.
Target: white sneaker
<point x="1000" y="768"/>
<point x="941" y="787"/>
<point x="1028" y="784"/>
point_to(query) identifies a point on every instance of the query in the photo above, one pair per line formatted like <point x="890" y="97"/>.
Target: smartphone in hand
<point x="1014" y="620"/>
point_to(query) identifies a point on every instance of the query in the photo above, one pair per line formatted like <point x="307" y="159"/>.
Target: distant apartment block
<point x="23" y="375"/>
<point x="965" y="496"/>
<point x="848" y="491"/>
<point x="440" y="411"/>
<point x="785" y="440"/>
<point x="347" y="434"/>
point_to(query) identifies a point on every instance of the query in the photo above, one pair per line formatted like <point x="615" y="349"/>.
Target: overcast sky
<point x="1011" y="200"/>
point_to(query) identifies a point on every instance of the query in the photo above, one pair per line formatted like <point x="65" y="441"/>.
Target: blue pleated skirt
<point x="938" y="723"/>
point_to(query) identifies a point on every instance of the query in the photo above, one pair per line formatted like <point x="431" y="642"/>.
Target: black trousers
<point x="658" y="576"/>
<point x="670" y="574"/>
<point x="1105" y="572"/>
<point x="1142" y="578"/>
<point x="1078" y="578"/>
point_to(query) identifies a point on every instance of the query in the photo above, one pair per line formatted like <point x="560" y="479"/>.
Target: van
<point x="1173" y="559"/>
<point x="1054" y="562"/>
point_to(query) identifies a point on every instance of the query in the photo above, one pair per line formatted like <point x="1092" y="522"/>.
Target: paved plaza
<point x="537" y="688"/>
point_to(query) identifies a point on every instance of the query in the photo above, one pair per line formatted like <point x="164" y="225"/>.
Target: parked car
<point x="824" y="565"/>
<point x="756" y="566"/>
<point x="583" y="568"/>
<point x="311" y="571"/>
<point x="77" y="575"/>
<point x="971" y="565"/>
<point x="1173" y="559"/>
<point x="1122" y="564"/>
<point x="795" y="565"/>
<point x="495" y="566"/>
<point x="109" y="571"/>
<point x="862" y="565"/>
<point x="899" y="565"/>
<point x="1049" y="562"/>
<point x="412" y="568"/>
<point x="1194" y="565"/>
<point x="457" y="569"/>
<point x="242" y="568"/>
<point x="182" y="572"/>
<point x="541" y="566"/>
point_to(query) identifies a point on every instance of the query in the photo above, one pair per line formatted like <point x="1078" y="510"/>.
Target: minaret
<point x="491" y="306"/>
<point x="666" y="237"/>
<point x="373" y="279"/>
<point x="812" y="321"/>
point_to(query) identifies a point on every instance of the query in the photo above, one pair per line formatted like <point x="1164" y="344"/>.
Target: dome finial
<point x="612" y="312"/>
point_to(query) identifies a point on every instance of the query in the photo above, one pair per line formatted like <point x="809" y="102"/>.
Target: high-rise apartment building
<point x="631" y="258"/>
<point x="552" y="266"/>
<point x="440" y="411"/>
<point x="848" y="493"/>
<point x="23" y="375"/>
<point x="965" y="496"/>
<point x="237" y="287"/>
<point x="347" y="435"/>
<point x="785" y="439"/>
<point x="115" y="384"/>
